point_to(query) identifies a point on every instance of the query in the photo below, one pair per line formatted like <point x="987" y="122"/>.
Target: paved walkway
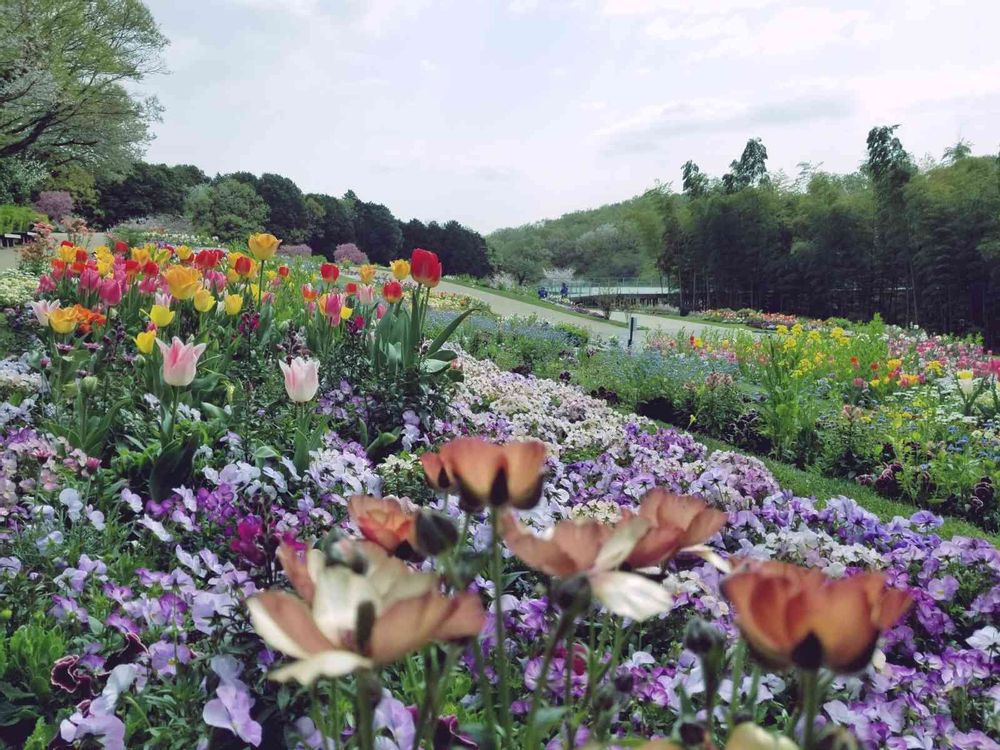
<point x="506" y="307"/>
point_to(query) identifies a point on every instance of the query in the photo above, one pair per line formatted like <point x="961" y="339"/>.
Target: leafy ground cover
<point x="244" y="503"/>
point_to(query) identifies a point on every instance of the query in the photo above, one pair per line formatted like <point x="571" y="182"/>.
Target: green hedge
<point x="17" y="218"/>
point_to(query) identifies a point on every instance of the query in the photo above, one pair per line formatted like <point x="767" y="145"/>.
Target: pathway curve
<point x="507" y="307"/>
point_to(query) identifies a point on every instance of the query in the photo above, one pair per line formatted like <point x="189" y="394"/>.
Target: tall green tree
<point x="228" y="209"/>
<point x="68" y="71"/>
<point x="377" y="232"/>
<point x="288" y="217"/>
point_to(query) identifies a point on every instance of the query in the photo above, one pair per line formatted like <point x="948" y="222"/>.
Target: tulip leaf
<point x="449" y="329"/>
<point x="547" y="717"/>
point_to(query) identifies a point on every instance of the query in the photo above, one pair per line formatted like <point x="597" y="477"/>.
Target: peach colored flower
<point x="387" y="521"/>
<point x="487" y="474"/>
<point x="794" y="615"/>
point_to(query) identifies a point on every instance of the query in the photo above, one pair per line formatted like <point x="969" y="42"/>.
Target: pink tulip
<point x="301" y="379"/>
<point x="334" y="304"/>
<point x="366" y="294"/>
<point x="89" y="279"/>
<point x="149" y="284"/>
<point x="380" y="311"/>
<point x="111" y="292"/>
<point x="42" y="309"/>
<point x="180" y="361"/>
<point x="46" y="284"/>
<point x="164" y="299"/>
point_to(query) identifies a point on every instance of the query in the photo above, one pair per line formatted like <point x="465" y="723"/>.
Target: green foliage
<point x="31" y="651"/>
<point x="288" y="215"/>
<point x="229" y="209"/>
<point x="146" y="189"/>
<point x="17" y="218"/>
<point x="67" y="66"/>
<point x="20" y="178"/>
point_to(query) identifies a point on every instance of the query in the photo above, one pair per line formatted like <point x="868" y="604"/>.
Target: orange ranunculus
<point x="183" y="281"/>
<point x="388" y="522"/>
<point x="676" y="522"/>
<point x="393" y="292"/>
<point x="425" y="267"/>
<point x="595" y="551"/>
<point x="790" y="615"/>
<point x="320" y="630"/>
<point x="488" y="474"/>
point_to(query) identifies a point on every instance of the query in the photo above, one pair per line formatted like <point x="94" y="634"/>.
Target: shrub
<point x="56" y="204"/>
<point x="348" y="252"/>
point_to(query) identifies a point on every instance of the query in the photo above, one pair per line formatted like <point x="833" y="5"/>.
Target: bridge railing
<point x="605" y="287"/>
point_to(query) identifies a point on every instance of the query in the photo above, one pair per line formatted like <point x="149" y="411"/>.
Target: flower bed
<point x="132" y="606"/>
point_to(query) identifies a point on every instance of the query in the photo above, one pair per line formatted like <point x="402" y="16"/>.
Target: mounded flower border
<point x="183" y="618"/>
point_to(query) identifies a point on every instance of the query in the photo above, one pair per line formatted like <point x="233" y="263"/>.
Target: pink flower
<point x="332" y="306"/>
<point x="46" y="284"/>
<point x="149" y="284"/>
<point x="301" y="379"/>
<point x="111" y="292"/>
<point x="180" y="361"/>
<point x="89" y="279"/>
<point x="366" y="294"/>
<point x="163" y="299"/>
<point x="380" y="311"/>
<point x="42" y="309"/>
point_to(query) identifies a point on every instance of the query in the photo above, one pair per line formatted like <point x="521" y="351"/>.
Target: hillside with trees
<point x="915" y="243"/>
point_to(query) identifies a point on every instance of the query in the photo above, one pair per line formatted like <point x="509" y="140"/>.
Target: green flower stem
<point x="500" y="660"/>
<point x="366" y="740"/>
<point x="810" y="706"/>
<point x="543" y="680"/>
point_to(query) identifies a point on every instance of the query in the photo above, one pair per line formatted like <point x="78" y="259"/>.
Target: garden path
<point x="504" y="306"/>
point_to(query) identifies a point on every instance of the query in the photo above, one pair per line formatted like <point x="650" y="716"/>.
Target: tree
<point x="525" y="264"/>
<point x="228" y="209"/>
<point x="67" y="68"/>
<point x="750" y="170"/>
<point x="288" y="216"/>
<point x="610" y="252"/>
<point x="329" y="224"/>
<point x="377" y="231"/>
<point x="146" y="189"/>
<point x="695" y="184"/>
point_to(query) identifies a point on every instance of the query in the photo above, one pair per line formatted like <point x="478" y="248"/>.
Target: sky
<point x="500" y="113"/>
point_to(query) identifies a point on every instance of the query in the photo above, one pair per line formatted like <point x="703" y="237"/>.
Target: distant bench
<point x="16" y="238"/>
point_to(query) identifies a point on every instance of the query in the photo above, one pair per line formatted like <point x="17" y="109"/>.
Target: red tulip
<point x="351" y="288"/>
<point x="283" y="271"/>
<point x="425" y="267"/>
<point x="329" y="272"/>
<point x="243" y="265"/>
<point x="393" y="292"/>
<point x="150" y="269"/>
<point x="121" y="247"/>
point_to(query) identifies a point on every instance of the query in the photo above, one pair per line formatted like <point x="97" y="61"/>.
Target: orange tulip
<point x="488" y="474"/>
<point x="791" y="615"/>
<point x="387" y="521"/>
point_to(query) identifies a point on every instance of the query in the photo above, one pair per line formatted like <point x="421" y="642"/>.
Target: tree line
<point x="72" y="122"/>
<point x="915" y="243"/>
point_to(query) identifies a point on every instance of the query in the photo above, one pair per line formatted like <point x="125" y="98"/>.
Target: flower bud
<point x="837" y="738"/>
<point x="624" y="683"/>
<point x="436" y="533"/>
<point x="89" y="384"/>
<point x="572" y="593"/>
<point x="700" y="637"/>
<point x="692" y="733"/>
<point x="605" y="699"/>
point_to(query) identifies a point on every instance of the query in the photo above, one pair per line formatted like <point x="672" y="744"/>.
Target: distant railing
<point x="585" y="288"/>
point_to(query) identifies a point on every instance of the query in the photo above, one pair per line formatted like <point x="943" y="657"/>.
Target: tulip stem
<point x="500" y="661"/>
<point x="543" y="678"/>
<point x="810" y="705"/>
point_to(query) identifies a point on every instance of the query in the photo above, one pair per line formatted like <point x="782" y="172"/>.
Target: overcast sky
<point x="506" y="112"/>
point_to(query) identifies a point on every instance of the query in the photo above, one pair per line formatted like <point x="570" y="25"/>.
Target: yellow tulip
<point x="367" y="273"/>
<point x="254" y="291"/>
<point x="145" y="340"/>
<point x="345" y="313"/>
<point x="232" y="277"/>
<point x="67" y="253"/>
<point x="183" y="252"/>
<point x="263" y="246"/>
<point x="204" y="300"/>
<point x="400" y="269"/>
<point x="140" y="255"/>
<point x="183" y="281"/>
<point x="233" y="304"/>
<point x="161" y="316"/>
<point x="104" y="267"/>
<point x="103" y="253"/>
<point x="63" y="320"/>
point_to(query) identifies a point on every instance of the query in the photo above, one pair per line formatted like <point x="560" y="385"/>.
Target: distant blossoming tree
<point x="56" y="204"/>
<point x="349" y="253"/>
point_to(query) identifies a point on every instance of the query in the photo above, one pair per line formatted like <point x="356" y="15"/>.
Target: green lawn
<point x="810" y="484"/>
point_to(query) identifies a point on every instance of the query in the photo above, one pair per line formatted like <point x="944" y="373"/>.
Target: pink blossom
<point x="301" y="379"/>
<point x="180" y="361"/>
